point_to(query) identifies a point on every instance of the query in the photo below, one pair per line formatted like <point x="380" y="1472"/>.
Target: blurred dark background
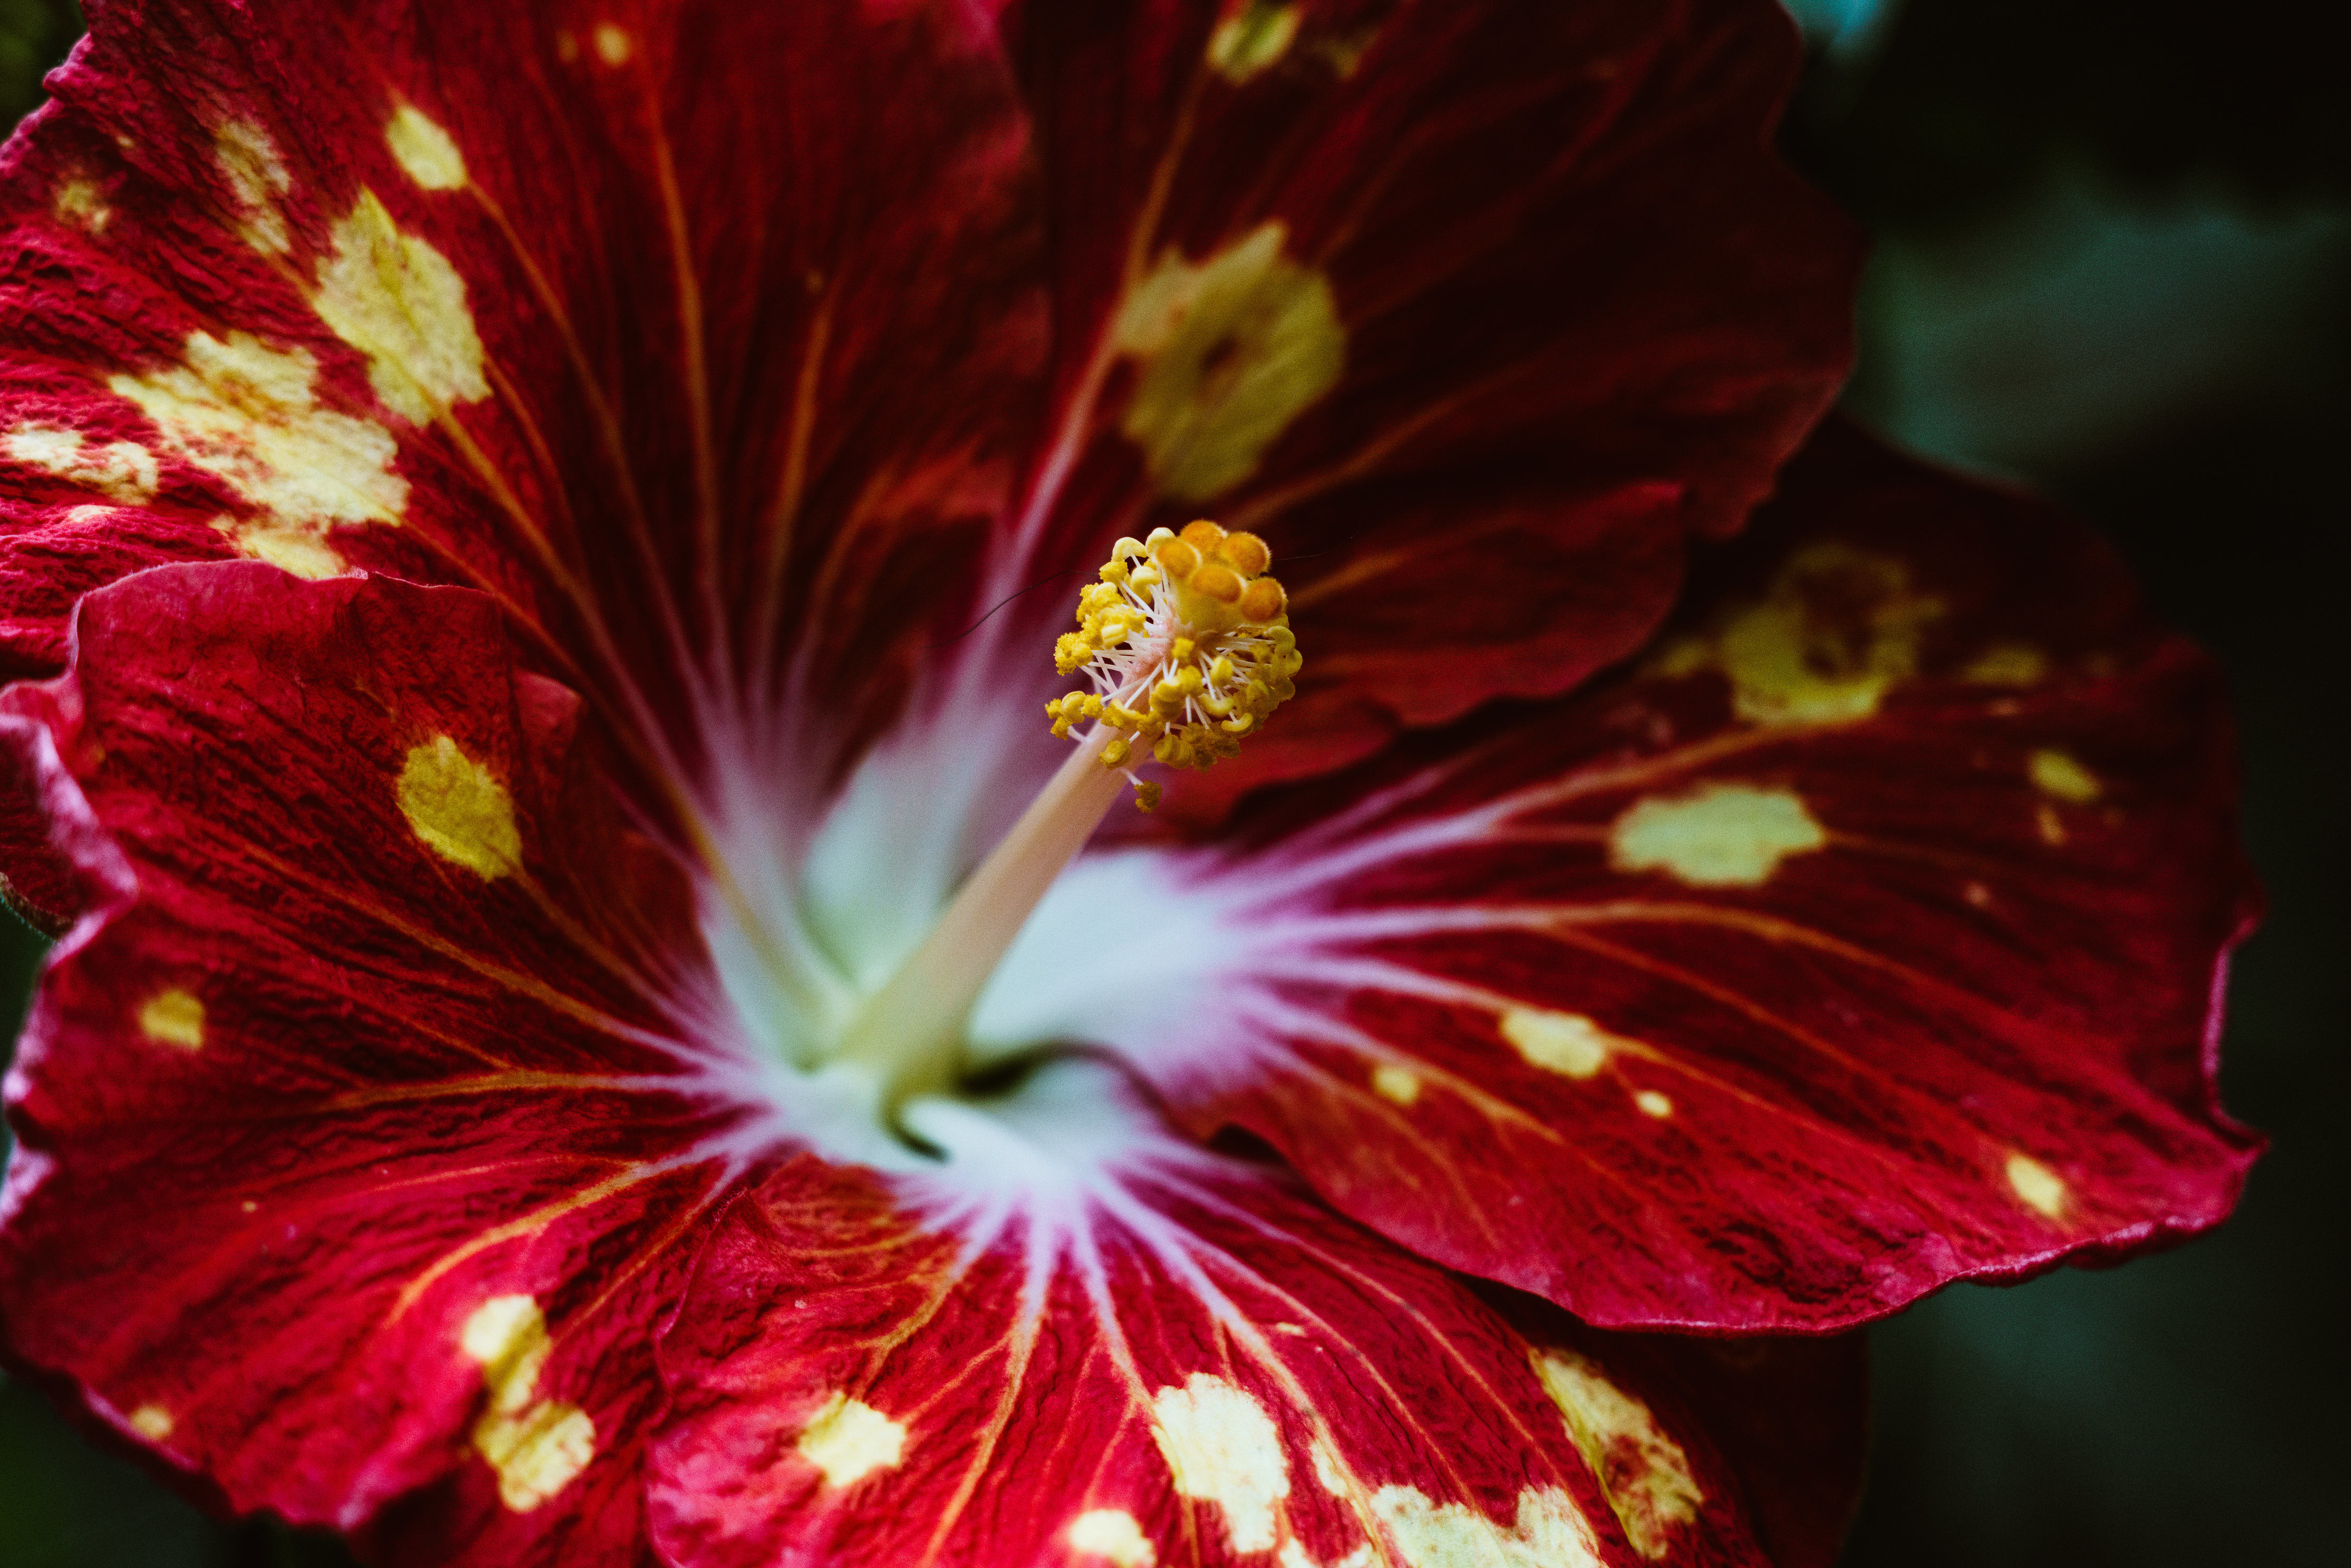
<point x="2113" y="258"/>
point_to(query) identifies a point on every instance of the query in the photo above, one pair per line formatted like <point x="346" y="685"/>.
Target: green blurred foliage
<point x="1944" y="108"/>
<point x="2113" y="258"/>
<point x="34" y="34"/>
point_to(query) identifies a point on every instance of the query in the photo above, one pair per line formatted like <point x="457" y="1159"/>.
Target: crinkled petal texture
<point x="703" y="337"/>
<point x="381" y="1145"/>
<point x="749" y="354"/>
<point x="352" y="1153"/>
<point x="1866" y="936"/>
<point x="1141" y="1352"/>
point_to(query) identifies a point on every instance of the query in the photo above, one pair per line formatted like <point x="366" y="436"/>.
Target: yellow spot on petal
<point x="1644" y="1473"/>
<point x="299" y="551"/>
<point x="397" y="300"/>
<point x="1401" y="1085"/>
<point x="849" y="1439"/>
<point x="247" y="414"/>
<point x="424" y="150"/>
<point x="1327" y="1469"/>
<point x="1550" y="1532"/>
<point x="2055" y="773"/>
<point x="1837" y="630"/>
<point x="537" y="1453"/>
<point x="508" y="1336"/>
<point x="1652" y="1104"/>
<point x="2007" y="665"/>
<point x="535" y="1446"/>
<point x="1222" y="1448"/>
<point x="1717" y="835"/>
<point x="123" y="471"/>
<point x="1228" y="351"/>
<point x="256" y="179"/>
<point x="1112" y="1533"/>
<point x="2052" y="826"/>
<point x="152" y="1422"/>
<point x="174" y="1017"/>
<point x="81" y="204"/>
<point x="1252" y="38"/>
<point x="614" y="46"/>
<point x="2037" y="1185"/>
<point x="1560" y="1042"/>
<point x="458" y="808"/>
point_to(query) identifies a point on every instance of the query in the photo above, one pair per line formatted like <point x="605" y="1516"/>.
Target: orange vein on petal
<point x="531" y="1224"/>
<point x="783" y="513"/>
<point x="510" y="979"/>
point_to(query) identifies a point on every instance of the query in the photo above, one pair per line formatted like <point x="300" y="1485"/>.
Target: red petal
<point x="354" y="1158"/>
<point x="1083" y="1341"/>
<point x="1768" y="1000"/>
<point x="1417" y="290"/>
<point x="705" y="336"/>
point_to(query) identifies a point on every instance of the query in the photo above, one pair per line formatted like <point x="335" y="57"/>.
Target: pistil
<point x="1188" y="646"/>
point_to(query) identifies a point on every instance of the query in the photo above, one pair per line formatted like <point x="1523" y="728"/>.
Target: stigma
<point x="1186" y="642"/>
<point x="1188" y="646"/>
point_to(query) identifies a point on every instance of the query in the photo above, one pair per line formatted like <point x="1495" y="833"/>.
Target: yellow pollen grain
<point x="152" y="1422"/>
<point x="121" y="471"/>
<point x="1229" y="352"/>
<point x="459" y="810"/>
<point x="849" y="1439"/>
<point x="2042" y="1188"/>
<point x="1401" y="1085"/>
<point x="1187" y="645"/>
<point x="1644" y="1474"/>
<point x="1252" y="38"/>
<point x="2055" y="773"/>
<point x="537" y="1446"/>
<point x="1111" y="1533"/>
<point x="1566" y="1044"/>
<point x="257" y="177"/>
<point x="397" y="300"/>
<point x="613" y="45"/>
<point x="425" y="151"/>
<point x="1716" y="835"/>
<point x="1652" y="1104"/>
<point x="2050" y="825"/>
<point x="1222" y="1448"/>
<point x="174" y="1017"/>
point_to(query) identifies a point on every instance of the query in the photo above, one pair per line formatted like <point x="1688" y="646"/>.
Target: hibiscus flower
<point x="597" y="1022"/>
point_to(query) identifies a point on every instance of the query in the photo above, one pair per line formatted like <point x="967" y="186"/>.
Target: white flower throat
<point x="1186" y="644"/>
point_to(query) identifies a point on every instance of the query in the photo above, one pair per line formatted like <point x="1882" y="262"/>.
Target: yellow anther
<point x="1147" y="794"/>
<point x="1263" y="599"/>
<point x="1204" y="536"/>
<point x="1219" y="581"/>
<point x="1246" y="554"/>
<point x="1187" y="643"/>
